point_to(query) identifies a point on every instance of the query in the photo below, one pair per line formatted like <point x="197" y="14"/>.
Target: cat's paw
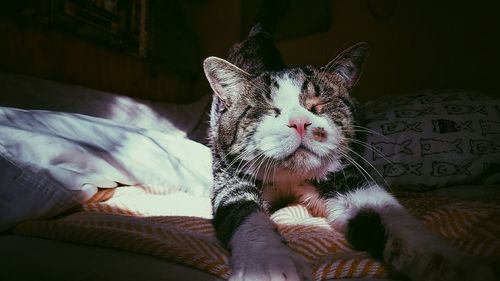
<point x="445" y="267"/>
<point x="270" y="264"/>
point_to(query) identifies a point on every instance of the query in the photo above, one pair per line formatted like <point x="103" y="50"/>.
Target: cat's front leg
<point x="374" y="221"/>
<point x="259" y="253"/>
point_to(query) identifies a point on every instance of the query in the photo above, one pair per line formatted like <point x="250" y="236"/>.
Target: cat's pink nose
<point x="299" y="123"/>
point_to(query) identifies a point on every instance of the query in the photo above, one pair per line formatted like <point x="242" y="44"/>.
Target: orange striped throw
<point x="177" y="227"/>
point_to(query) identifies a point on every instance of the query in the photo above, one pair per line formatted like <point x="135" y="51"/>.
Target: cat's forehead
<point x="294" y="75"/>
<point x="292" y="87"/>
<point x="286" y="91"/>
<point x="289" y="80"/>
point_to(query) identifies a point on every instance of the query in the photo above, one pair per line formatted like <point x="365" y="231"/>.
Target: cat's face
<point x="296" y="122"/>
<point x="307" y="126"/>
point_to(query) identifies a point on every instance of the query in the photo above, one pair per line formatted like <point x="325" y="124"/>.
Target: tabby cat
<point x="290" y="135"/>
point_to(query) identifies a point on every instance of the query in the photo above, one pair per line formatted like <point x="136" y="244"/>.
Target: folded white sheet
<point x="52" y="161"/>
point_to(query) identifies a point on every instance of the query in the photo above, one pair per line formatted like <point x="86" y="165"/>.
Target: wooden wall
<point x="50" y="54"/>
<point x="423" y="44"/>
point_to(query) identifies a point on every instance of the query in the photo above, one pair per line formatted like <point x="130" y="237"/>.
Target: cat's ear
<point x="349" y="64"/>
<point x="226" y="79"/>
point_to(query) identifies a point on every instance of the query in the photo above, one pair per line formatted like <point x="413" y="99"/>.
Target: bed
<point x="121" y="187"/>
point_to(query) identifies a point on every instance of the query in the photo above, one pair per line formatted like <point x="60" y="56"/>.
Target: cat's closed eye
<point x="317" y="108"/>
<point x="277" y="112"/>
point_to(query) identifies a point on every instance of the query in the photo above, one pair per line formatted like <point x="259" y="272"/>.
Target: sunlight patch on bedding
<point x="157" y="159"/>
<point x="175" y="204"/>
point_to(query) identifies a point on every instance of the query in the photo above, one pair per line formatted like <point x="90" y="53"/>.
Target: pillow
<point x="183" y="120"/>
<point x="432" y="139"/>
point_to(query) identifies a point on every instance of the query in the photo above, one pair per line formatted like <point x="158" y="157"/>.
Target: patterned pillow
<point x="430" y="139"/>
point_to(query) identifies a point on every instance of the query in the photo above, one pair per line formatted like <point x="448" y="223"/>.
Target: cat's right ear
<point x="226" y="79"/>
<point x="349" y="64"/>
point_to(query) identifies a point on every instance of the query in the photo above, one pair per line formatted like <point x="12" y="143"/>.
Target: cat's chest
<point x="280" y="194"/>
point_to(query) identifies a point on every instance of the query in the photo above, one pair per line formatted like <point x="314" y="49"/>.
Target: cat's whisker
<point x="274" y="175"/>
<point x="273" y="171"/>
<point x="266" y="162"/>
<point x="259" y="161"/>
<point x="252" y="167"/>
<point x="371" y="131"/>
<point x="239" y="196"/>
<point x="344" y="177"/>
<point x="353" y="161"/>
<point x="266" y="167"/>
<point x="274" y="166"/>
<point x="240" y="156"/>
<point x="247" y="165"/>
<point x="358" y="166"/>
<point x="372" y="148"/>
<point x="234" y="161"/>
<point x="373" y="167"/>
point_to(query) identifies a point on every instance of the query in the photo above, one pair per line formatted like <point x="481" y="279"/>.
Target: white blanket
<point x="53" y="161"/>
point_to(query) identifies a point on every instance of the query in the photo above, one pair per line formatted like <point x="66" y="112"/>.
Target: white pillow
<point x="184" y="120"/>
<point x="431" y="139"/>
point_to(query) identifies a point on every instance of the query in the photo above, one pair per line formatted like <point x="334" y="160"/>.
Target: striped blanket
<point x="177" y="227"/>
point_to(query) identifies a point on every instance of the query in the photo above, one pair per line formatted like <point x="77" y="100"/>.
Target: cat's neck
<point x="282" y="176"/>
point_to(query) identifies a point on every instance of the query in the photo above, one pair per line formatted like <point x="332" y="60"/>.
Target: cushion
<point x="183" y="120"/>
<point x="431" y="139"/>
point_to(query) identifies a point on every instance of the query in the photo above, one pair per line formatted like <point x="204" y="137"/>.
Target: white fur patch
<point x="344" y="207"/>
<point x="257" y="253"/>
<point x="273" y="135"/>
<point x="277" y="140"/>
<point x="411" y="248"/>
<point x="287" y="96"/>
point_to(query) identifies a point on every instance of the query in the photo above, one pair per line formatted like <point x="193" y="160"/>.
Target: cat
<point x="283" y="135"/>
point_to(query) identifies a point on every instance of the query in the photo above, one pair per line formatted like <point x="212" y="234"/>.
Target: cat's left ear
<point x="349" y="64"/>
<point x="226" y="79"/>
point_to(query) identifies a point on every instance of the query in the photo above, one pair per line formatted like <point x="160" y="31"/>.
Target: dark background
<point x="414" y="45"/>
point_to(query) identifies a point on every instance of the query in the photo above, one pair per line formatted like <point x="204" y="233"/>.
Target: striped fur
<point x="247" y="148"/>
<point x="288" y="135"/>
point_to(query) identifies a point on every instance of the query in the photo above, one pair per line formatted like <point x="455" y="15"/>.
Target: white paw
<point x="273" y="263"/>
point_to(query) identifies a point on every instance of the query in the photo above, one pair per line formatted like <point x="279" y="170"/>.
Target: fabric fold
<point x="80" y="153"/>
